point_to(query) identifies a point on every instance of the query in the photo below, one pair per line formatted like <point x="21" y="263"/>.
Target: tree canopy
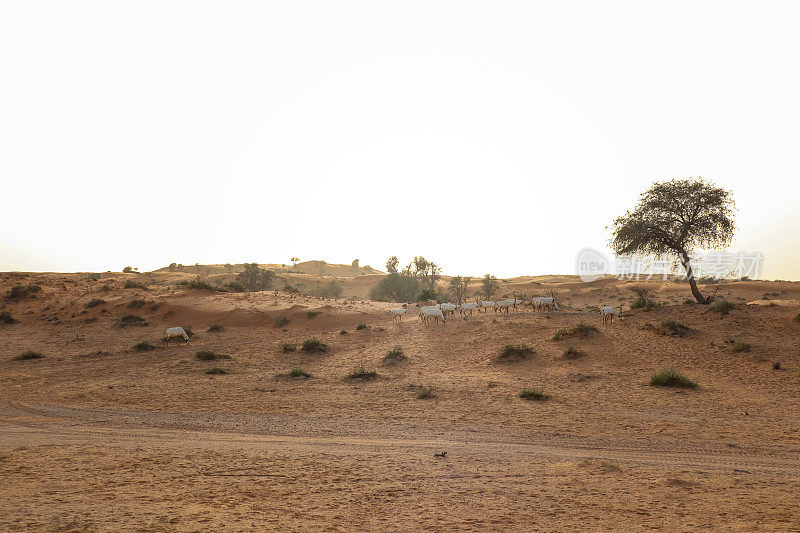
<point x="677" y="217"/>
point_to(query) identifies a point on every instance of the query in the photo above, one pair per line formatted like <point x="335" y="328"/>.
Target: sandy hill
<point x="252" y="445"/>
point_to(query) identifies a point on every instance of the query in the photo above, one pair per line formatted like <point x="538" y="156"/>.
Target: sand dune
<point x="97" y="435"/>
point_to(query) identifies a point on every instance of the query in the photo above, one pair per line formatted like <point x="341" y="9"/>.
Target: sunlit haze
<point x="488" y="137"/>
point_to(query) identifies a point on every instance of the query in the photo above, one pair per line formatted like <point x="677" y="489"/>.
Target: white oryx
<point x="398" y="313"/>
<point x="608" y="314"/>
<point x="429" y="312"/>
<point x="448" y="308"/>
<point x="174" y="333"/>
<point x="548" y="302"/>
<point x="504" y="304"/>
<point x="466" y="308"/>
<point x="485" y="305"/>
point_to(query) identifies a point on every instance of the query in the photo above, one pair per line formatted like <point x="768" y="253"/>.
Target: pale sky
<point x="489" y="137"/>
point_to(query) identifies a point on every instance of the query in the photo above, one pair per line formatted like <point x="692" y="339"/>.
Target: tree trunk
<point x="684" y="258"/>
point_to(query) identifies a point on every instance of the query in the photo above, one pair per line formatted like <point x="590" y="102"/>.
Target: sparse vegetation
<point x="361" y="326"/>
<point x="362" y="373"/>
<point x="27" y="355"/>
<point x="197" y="284"/>
<point x="135" y="304"/>
<point x="18" y="292"/>
<point x="671" y="377"/>
<point x="722" y="307"/>
<point x="426" y="393"/>
<point x="210" y="355"/>
<point x="281" y="321"/>
<point x="94" y="303"/>
<point x="738" y="346"/>
<point x="581" y="330"/>
<point x="298" y="373"/>
<point x="396" y="287"/>
<point x="330" y="289"/>
<point x="313" y="345"/>
<point x="312" y="314"/>
<point x="395" y="355"/>
<point x="134" y="285"/>
<point x="572" y="353"/>
<point x="6" y="318"/>
<point x="143" y="346"/>
<point x="796" y="317"/>
<point x="489" y="286"/>
<point x="131" y="320"/>
<point x="216" y="370"/>
<point x="514" y="351"/>
<point x="216" y="328"/>
<point x="531" y="394"/>
<point x="254" y="278"/>
<point x="644" y="298"/>
<point x="672" y="327"/>
<point x="288" y="347"/>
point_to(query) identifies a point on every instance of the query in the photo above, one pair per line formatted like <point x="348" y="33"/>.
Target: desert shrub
<point x="572" y="353"/>
<point x="105" y="288"/>
<point x="426" y="393"/>
<point x="6" y="318"/>
<point x="94" y="303"/>
<point x="288" y="347"/>
<point x="216" y="370"/>
<point x="135" y="304"/>
<point x="28" y="354"/>
<point x="738" y="346"/>
<point x="210" y="355"/>
<point x="722" y="307"/>
<point x="343" y="332"/>
<point x="796" y="317"/>
<point x="362" y="373"/>
<point x="197" y="284"/>
<point x="644" y="298"/>
<point x="18" y="292"/>
<point x="127" y="270"/>
<point x="254" y="278"/>
<point x="689" y="301"/>
<point x="143" y="346"/>
<point x="94" y="276"/>
<point x="671" y="377"/>
<point x="531" y="394"/>
<point x="298" y="373"/>
<point x="290" y="289"/>
<point x="134" y="285"/>
<point x="426" y="294"/>
<point x="215" y="327"/>
<point x="581" y="330"/>
<point x="312" y="314"/>
<point x="672" y="327"/>
<point x="131" y="320"/>
<point x="234" y="286"/>
<point x="776" y="365"/>
<point x="395" y="288"/>
<point x="281" y="321"/>
<point x="328" y="290"/>
<point x="395" y="355"/>
<point x="313" y="345"/>
<point x="361" y="325"/>
<point x="514" y="351"/>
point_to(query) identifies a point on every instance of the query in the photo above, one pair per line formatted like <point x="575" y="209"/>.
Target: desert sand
<point x="96" y="435"/>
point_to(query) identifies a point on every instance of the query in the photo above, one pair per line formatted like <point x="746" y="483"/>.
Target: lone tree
<point x="458" y="286"/>
<point x="676" y="217"/>
<point x="489" y="286"/>
<point x="255" y="278"/>
<point x="355" y="263"/>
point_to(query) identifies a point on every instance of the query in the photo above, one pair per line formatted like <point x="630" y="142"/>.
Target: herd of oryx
<point x="434" y="311"/>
